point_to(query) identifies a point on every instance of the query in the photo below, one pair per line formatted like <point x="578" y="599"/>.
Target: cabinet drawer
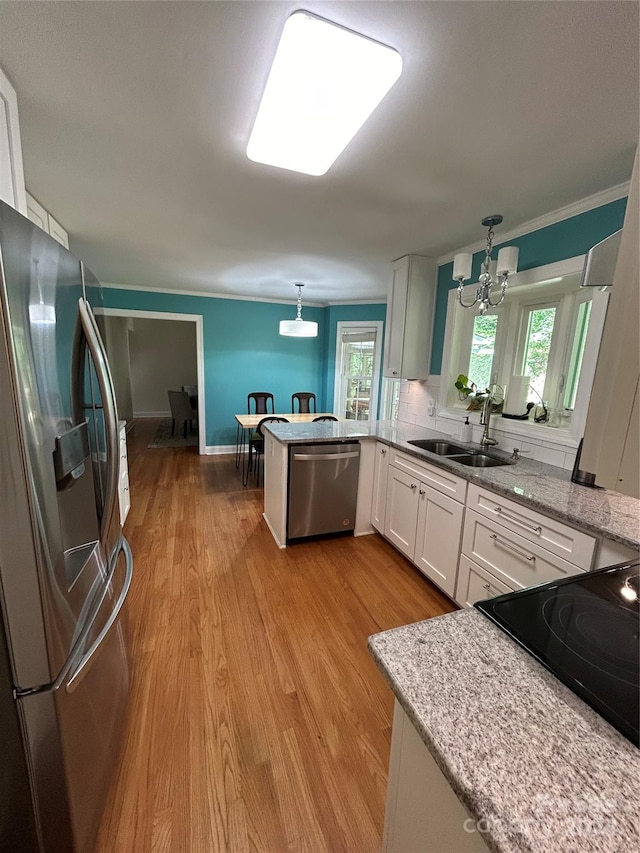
<point x="438" y="478"/>
<point x="511" y="558"/>
<point x="475" y="584"/>
<point x="554" y="536"/>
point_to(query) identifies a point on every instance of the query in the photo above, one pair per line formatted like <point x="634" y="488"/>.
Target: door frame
<point x="344" y="326"/>
<point x="185" y="318"/>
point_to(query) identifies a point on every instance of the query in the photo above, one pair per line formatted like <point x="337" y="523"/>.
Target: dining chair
<point x="256" y="445"/>
<point x="181" y="410"/>
<point x="262" y="401"/>
<point x="304" y="398"/>
<point x="325" y="418"/>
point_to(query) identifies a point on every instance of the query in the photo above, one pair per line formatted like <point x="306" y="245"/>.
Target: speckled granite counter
<point x="528" y="758"/>
<point x="536" y="484"/>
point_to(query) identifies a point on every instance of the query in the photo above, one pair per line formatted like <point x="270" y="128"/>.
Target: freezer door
<point x="74" y="731"/>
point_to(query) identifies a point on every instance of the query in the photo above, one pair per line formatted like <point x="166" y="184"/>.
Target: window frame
<point x="521" y="298"/>
<point x="349" y="327"/>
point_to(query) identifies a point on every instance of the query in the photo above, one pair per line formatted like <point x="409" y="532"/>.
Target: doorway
<point x="357" y="377"/>
<point x="195" y="319"/>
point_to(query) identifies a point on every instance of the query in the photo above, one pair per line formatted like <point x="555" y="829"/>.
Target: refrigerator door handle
<point x="92" y="336"/>
<point x="87" y="658"/>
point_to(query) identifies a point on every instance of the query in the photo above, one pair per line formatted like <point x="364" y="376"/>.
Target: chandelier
<point x="299" y="328"/>
<point x="491" y="271"/>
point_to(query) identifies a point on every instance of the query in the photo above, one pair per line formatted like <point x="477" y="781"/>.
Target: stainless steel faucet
<point x="485" y="417"/>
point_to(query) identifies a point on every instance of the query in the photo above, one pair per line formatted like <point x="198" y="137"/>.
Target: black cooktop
<point x="585" y="630"/>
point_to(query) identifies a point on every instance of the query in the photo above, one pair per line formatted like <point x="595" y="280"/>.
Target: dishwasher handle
<point x="324" y="457"/>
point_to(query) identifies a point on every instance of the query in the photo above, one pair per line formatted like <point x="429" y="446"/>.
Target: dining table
<point x="246" y="424"/>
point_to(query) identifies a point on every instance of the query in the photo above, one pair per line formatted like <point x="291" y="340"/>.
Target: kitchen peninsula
<point x="611" y="517"/>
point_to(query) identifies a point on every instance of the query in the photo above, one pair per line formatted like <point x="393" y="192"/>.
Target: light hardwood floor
<point x="258" y="721"/>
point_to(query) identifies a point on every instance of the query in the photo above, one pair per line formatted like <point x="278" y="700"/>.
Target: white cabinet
<point x="11" y="171"/>
<point x="476" y="584"/>
<point x="555" y="536"/>
<point x="410" y="313"/>
<point x="124" y="495"/>
<point x="401" y="521"/>
<point x="422" y="520"/>
<point x="44" y="220"/>
<point x="507" y="546"/>
<point x="379" y="496"/>
<point x="423" y="814"/>
<point x="438" y="537"/>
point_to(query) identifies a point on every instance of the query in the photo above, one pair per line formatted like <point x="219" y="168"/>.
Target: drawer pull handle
<point x="384" y="452"/>
<point x="423" y="491"/>
<point x="486" y="586"/>
<point x="529" y="557"/>
<point x="503" y="514"/>
<point x="413" y="487"/>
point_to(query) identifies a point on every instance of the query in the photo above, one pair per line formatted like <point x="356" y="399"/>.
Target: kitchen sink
<point x="479" y="460"/>
<point x="441" y="448"/>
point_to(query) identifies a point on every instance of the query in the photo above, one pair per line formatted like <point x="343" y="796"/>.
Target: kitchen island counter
<point x="544" y="487"/>
<point x="534" y="766"/>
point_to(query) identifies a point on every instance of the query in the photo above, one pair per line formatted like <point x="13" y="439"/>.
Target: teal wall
<point x="243" y="351"/>
<point x="566" y="239"/>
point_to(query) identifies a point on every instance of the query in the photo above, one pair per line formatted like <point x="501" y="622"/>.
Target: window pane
<point x="577" y="353"/>
<point x="357" y="359"/>
<point x="538" y="342"/>
<point x="483" y="346"/>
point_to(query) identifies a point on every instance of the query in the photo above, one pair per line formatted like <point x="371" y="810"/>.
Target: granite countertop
<point x="526" y="756"/>
<point x="544" y="487"/>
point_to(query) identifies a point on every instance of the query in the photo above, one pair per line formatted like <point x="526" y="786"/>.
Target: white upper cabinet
<point x="410" y="313"/>
<point x="44" y="220"/>
<point x="11" y="171"/>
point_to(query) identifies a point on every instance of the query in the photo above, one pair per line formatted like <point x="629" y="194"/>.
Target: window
<point x="538" y="325"/>
<point x="357" y="375"/>
<point x="483" y="347"/>
<point x="541" y="331"/>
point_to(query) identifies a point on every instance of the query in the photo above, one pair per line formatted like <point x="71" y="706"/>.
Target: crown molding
<point x="178" y="292"/>
<point x="577" y="207"/>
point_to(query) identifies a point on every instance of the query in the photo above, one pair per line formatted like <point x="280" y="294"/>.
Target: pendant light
<point x="299" y="328"/>
<point x="491" y="272"/>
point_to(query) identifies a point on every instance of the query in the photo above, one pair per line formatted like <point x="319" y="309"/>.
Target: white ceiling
<point x="135" y="117"/>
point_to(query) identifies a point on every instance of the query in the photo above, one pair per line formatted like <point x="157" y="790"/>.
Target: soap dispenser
<point x="466" y="433"/>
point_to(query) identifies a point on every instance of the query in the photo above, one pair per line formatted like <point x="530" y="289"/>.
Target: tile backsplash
<point x="419" y="405"/>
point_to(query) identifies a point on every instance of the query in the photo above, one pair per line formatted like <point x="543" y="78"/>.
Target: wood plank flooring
<point x="258" y="722"/>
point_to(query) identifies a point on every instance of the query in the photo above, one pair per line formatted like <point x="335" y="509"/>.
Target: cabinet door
<point x="438" y="538"/>
<point x="379" y="498"/>
<point x="396" y="312"/>
<point x="476" y="584"/>
<point x="37" y="214"/>
<point x="11" y="172"/>
<point x="402" y="511"/>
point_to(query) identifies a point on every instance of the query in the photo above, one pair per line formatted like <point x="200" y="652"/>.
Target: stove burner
<point x="600" y="633"/>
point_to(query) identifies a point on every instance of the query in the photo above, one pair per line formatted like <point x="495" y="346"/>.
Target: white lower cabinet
<point x="401" y="521"/>
<point x="438" y="537"/>
<point x="423" y="814"/>
<point x="379" y="496"/>
<point x="424" y="524"/>
<point x="476" y="584"/>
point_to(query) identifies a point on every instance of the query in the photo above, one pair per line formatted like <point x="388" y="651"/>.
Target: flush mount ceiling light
<point x="324" y="83"/>
<point x="299" y="328"/>
<point x="506" y="264"/>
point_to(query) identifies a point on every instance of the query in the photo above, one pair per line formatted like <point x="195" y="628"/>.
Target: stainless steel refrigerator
<point x="65" y="568"/>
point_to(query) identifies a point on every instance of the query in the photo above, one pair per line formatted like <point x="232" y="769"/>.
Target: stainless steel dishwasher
<point x="323" y="488"/>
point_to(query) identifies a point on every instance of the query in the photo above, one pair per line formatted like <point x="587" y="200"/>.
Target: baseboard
<point x="219" y="449"/>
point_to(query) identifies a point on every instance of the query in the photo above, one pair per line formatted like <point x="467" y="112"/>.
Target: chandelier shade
<point x="299" y="328"/>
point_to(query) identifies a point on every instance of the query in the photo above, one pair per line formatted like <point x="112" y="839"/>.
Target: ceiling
<point x="135" y="118"/>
